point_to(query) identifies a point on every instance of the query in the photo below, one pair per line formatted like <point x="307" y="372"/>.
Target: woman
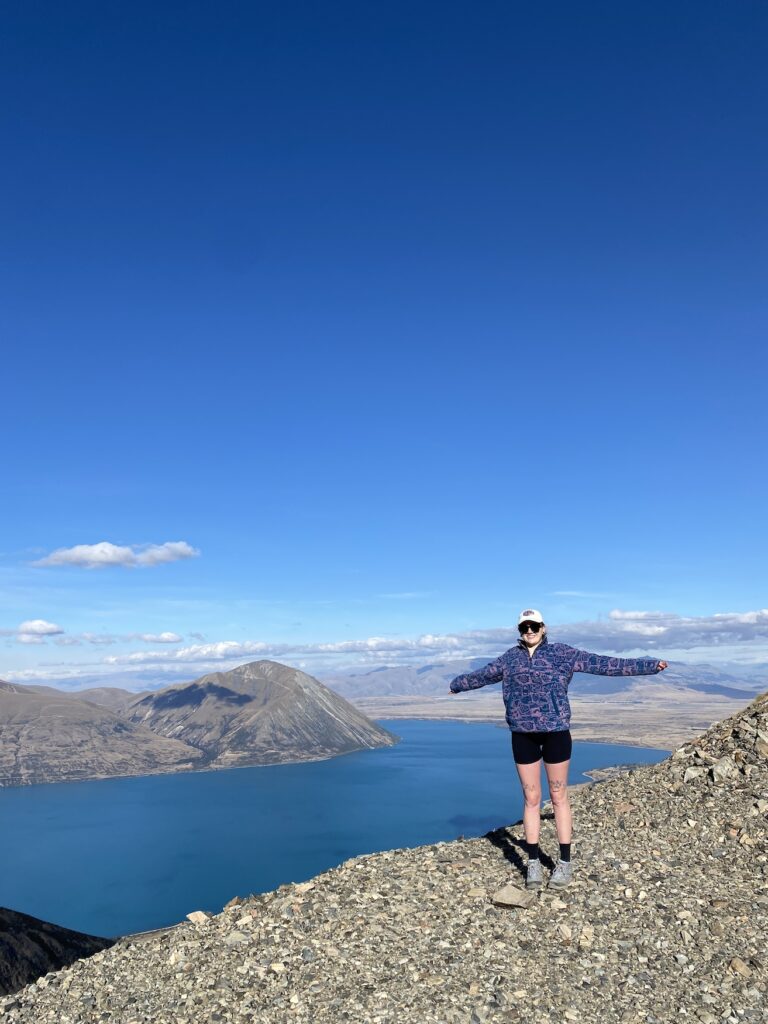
<point x="535" y="676"/>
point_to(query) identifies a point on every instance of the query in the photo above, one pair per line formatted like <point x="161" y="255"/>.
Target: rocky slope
<point x="30" y="948"/>
<point x="665" y="921"/>
<point x="52" y="738"/>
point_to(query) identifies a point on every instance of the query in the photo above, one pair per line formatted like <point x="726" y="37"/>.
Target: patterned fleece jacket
<point x="535" y="689"/>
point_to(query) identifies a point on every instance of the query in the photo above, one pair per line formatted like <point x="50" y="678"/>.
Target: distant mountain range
<point x="434" y="678"/>
<point x="260" y="713"/>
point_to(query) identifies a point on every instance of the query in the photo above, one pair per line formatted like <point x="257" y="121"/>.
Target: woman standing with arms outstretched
<point x="535" y="676"/>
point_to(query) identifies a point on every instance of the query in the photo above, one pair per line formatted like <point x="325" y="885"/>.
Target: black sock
<point x="533" y="851"/>
<point x="565" y="851"/>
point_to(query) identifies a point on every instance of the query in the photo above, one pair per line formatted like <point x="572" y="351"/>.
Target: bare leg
<point x="530" y="780"/>
<point x="557" y="778"/>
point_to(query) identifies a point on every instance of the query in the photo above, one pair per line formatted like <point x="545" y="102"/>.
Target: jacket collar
<point x="539" y="646"/>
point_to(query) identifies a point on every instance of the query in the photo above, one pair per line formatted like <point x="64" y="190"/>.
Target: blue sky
<point x="392" y="319"/>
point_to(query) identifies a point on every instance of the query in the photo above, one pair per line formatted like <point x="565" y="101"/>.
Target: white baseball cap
<point x="530" y="615"/>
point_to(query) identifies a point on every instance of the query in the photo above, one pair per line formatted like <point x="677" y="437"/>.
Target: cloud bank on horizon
<point x="623" y="631"/>
<point x="620" y="633"/>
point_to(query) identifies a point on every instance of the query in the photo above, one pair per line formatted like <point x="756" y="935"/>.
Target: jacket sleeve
<point x="599" y="665"/>
<point x="491" y="673"/>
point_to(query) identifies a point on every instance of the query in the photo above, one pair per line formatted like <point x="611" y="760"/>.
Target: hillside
<point x="665" y="921"/>
<point x="48" y="737"/>
<point x="30" y="948"/>
<point x="260" y="713"/>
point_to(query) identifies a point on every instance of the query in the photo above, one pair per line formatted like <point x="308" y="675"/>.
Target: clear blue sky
<point x="399" y="316"/>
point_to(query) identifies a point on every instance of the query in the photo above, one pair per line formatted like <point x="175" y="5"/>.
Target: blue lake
<point x="125" y="855"/>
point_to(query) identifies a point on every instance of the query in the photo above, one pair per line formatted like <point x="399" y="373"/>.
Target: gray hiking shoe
<point x="562" y="875"/>
<point x="534" y="876"/>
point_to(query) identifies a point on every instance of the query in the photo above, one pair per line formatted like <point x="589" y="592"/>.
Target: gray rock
<point x="724" y="769"/>
<point x="199" y="917"/>
<point x="513" y="896"/>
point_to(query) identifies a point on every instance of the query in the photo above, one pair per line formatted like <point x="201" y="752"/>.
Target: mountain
<point x="30" y="948"/>
<point x="403" y="680"/>
<point x="700" y="679"/>
<point x="433" y="679"/>
<point x="260" y="713"/>
<point x="665" y="921"/>
<point x="48" y="737"/>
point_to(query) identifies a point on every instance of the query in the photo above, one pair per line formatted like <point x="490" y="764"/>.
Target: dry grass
<point x="662" y="718"/>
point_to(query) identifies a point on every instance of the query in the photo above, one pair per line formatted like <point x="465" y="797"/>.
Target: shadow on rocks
<point x="516" y="850"/>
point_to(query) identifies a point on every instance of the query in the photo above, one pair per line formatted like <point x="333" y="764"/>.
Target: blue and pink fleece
<point x="535" y="689"/>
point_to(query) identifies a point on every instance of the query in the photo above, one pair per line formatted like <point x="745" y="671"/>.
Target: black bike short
<point x="554" y="747"/>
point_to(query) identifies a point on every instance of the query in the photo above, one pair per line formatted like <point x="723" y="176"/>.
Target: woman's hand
<point x="662" y="666"/>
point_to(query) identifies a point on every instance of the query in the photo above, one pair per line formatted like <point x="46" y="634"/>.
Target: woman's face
<point x="527" y="634"/>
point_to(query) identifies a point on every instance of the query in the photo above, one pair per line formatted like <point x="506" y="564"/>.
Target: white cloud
<point x="228" y="650"/>
<point x="722" y="637"/>
<point x="620" y="633"/>
<point x="171" y="551"/>
<point x="104" y="554"/>
<point x="224" y="649"/>
<point x="39" y="627"/>
<point x="100" y="639"/>
<point x="116" y="638"/>
<point x="620" y="616"/>
<point x="35" y="631"/>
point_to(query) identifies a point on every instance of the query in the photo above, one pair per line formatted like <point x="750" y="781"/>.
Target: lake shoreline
<point x="576" y="733"/>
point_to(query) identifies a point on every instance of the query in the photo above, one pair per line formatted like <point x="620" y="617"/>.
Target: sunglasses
<point x="533" y="627"/>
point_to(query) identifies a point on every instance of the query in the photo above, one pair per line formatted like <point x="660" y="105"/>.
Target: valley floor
<point x="661" y="720"/>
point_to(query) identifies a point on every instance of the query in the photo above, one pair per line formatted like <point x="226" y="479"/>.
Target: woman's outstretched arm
<point x="491" y="673"/>
<point x="600" y="665"/>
